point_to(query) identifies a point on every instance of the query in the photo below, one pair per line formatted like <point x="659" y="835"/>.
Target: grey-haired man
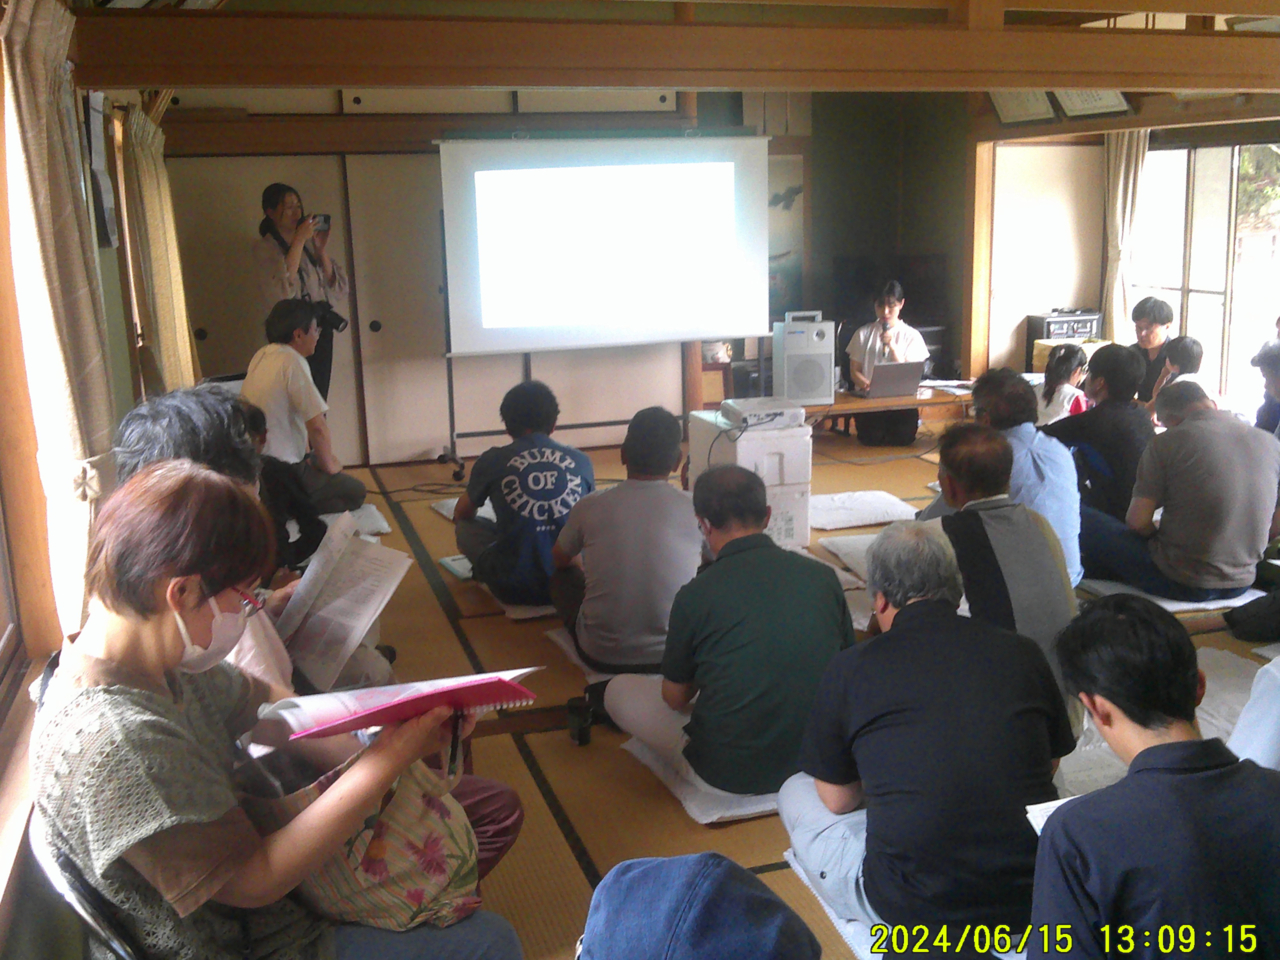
<point x="924" y="746"/>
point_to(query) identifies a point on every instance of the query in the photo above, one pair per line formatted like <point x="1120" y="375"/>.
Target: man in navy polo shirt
<point x="924" y="747"/>
<point x="533" y="483"/>
<point x="1188" y="840"/>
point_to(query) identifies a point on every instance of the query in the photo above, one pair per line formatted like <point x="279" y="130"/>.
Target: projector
<point x="763" y="413"/>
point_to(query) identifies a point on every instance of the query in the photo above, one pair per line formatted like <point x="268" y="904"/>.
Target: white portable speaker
<point x="804" y="361"/>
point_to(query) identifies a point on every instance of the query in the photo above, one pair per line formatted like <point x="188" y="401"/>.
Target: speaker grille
<point x="808" y="376"/>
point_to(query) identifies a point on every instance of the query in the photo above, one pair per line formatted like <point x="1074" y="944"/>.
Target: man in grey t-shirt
<point x="1217" y="480"/>
<point x="639" y="543"/>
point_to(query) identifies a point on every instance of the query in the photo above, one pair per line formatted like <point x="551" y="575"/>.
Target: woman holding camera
<point x="292" y="255"/>
<point x="135" y="745"/>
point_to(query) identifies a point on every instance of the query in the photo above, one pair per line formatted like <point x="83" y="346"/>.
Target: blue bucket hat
<point x="699" y="907"/>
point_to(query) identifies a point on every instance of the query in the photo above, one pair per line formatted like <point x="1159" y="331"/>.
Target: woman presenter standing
<point x="292" y="257"/>
<point x="887" y="340"/>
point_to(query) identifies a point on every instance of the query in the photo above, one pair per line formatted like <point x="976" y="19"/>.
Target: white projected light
<point x="555" y="244"/>
<point x="652" y="219"/>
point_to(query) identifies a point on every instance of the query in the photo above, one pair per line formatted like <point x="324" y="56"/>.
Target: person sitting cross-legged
<point x="1043" y="475"/>
<point x="1217" y="479"/>
<point x="748" y="641"/>
<point x="924" y="746"/>
<point x="1188" y="841"/>
<point x="1108" y="440"/>
<point x="1010" y="559"/>
<point x="533" y="483"/>
<point x="284" y="498"/>
<point x="279" y="382"/>
<point x="639" y="543"/>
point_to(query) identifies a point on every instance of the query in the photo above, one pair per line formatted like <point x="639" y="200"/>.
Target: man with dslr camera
<point x="279" y="381"/>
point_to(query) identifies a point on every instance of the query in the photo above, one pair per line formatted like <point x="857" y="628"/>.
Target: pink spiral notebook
<point x="329" y="714"/>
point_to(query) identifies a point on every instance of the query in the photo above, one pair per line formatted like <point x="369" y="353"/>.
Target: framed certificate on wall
<point x="1022" y="106"/>
<point x="1091" y="103"/>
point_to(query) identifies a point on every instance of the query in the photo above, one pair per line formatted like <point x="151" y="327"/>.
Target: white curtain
<point x="1125" y="153"/>
<point x="60" y="310"/>
<point x="155" y="238"/>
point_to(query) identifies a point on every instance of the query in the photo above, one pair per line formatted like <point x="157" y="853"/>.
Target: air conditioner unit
<point x="804" y="355"/>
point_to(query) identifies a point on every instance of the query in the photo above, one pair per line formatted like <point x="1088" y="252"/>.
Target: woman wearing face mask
<point x="292" y="255"/>
<point x="135" y="742"/>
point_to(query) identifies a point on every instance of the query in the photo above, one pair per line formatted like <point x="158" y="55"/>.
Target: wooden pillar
<point x="979" y="213"/>
<point x="692" y="367"/>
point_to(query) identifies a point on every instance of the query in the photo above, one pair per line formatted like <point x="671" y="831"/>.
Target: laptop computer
<point x="893" y="380"/>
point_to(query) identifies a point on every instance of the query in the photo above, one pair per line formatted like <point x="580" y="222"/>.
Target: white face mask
<point x="227" y="630"/>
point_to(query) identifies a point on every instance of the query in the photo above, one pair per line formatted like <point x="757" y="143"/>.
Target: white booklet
<point x="346" y="586"/>
<point x="1038" y="813"/>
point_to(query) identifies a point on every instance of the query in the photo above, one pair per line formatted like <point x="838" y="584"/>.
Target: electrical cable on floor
<point x="871" y="461"/>
<point x="443" y="488"/>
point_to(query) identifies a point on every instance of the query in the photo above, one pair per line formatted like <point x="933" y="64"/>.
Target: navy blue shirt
<point x="1108" y="441"/>
<point x="951" y="725"/>
<point x="1190" y="837"/>
<point x="533" y="483"/>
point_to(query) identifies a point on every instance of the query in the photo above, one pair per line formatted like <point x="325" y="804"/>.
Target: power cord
<point x="872" y="461"/>
<point x="725" y="432"/>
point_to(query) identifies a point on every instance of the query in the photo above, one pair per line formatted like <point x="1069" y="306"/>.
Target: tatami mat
<point x="622" y="811"/>
<point x="589" y="808"/>
<point x="539" y="885"/>
<point x="504" y="644"/>
<point x="586" y="808"/>
<point x="790" y="888"/>
<point x="1223" y="640"/>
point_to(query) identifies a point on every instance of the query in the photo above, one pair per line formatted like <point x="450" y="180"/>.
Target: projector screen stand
<point x="449" y="456"/>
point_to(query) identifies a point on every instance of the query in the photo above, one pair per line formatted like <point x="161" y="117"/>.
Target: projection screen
<point x="556" y="244"/>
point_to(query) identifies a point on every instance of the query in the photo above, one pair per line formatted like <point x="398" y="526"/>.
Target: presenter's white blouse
<point x="866" y="350"/>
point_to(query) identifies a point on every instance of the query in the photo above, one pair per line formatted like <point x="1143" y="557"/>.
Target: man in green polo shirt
<point x="748" y="642"/>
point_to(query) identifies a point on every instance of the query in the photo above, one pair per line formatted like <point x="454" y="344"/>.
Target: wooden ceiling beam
<point x="177" y="49"/>
<point x="1109" y="8"/>
<point x="1226" y="8"/>
<point x="204" y="133"/>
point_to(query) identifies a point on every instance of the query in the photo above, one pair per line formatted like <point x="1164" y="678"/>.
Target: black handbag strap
<point x="49" y="669"/>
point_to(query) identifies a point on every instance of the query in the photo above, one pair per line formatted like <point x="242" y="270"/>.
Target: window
<point x="1255" y="282"/>
<point x="13" y="654"/>
<point x="1206" y="239"/>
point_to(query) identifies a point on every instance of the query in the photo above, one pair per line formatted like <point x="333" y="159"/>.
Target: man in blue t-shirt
<point x="533" y="483"/>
